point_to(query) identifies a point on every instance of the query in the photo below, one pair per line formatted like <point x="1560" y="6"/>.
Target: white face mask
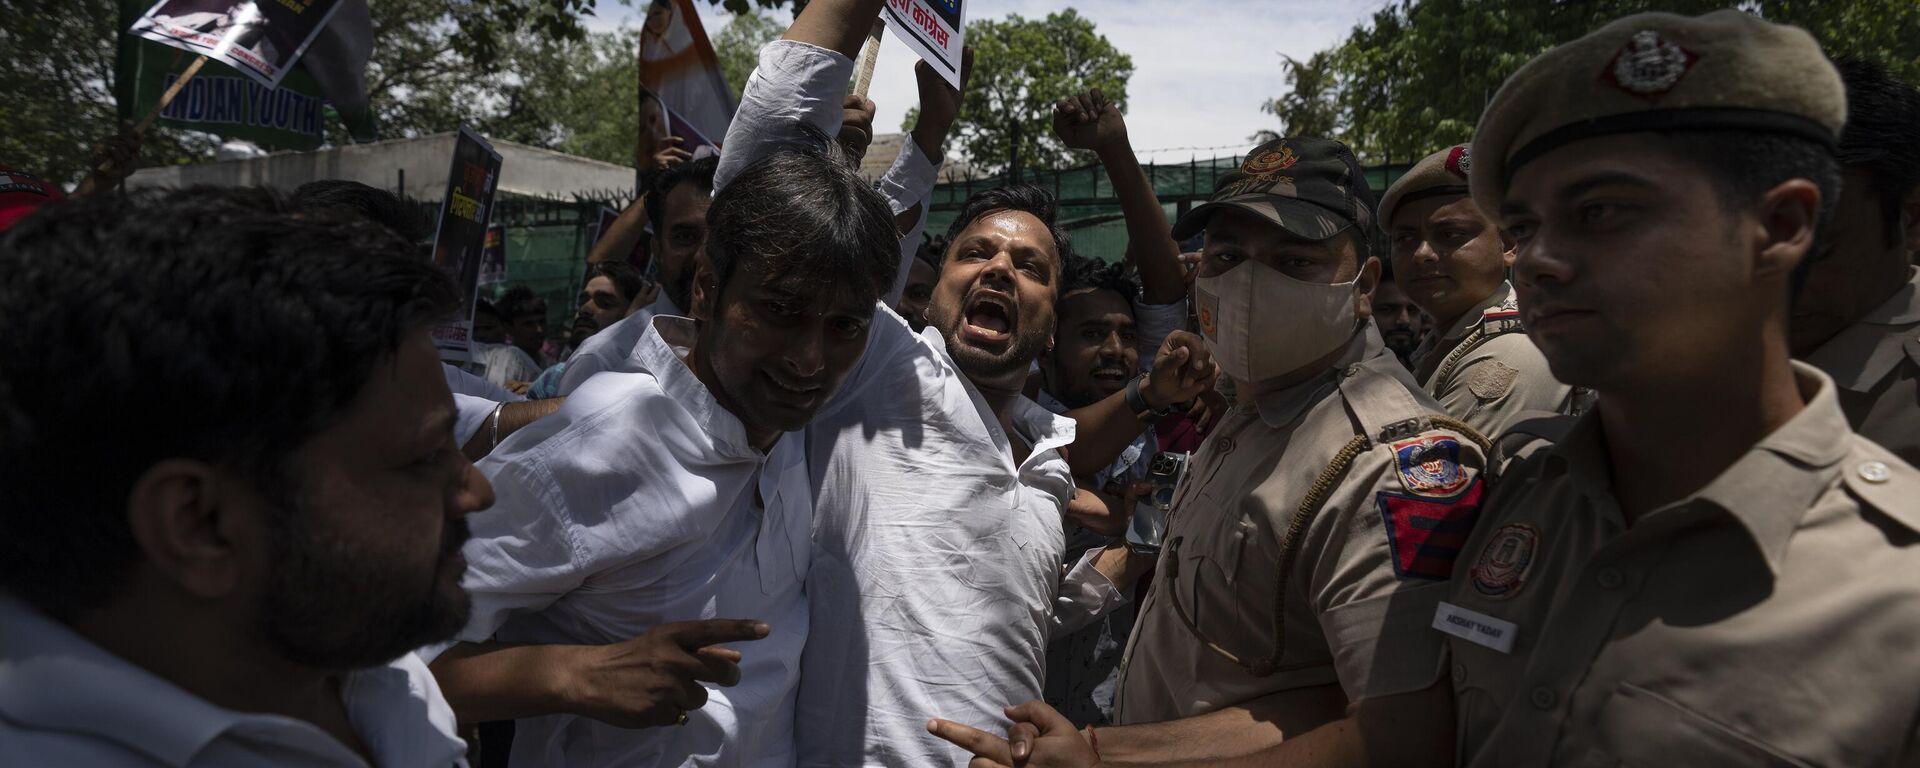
<point x="1262" y="324"/>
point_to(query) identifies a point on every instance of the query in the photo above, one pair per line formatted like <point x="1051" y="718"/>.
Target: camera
<point x="1149" y="521"/>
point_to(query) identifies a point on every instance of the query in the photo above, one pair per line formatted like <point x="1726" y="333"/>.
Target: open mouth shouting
<point x="1111" y="378"/>
<point x="988" y="318"/>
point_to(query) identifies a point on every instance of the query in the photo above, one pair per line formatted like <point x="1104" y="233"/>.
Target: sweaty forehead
<point x="1646" y="160"/>
<point x="1011" y="229"/>
<point x="1093" y="304"/>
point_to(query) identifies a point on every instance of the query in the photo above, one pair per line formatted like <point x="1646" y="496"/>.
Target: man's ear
<point x="706" y="293"/>
<point x="185" y="530"/>
<point x="1363" y="287"/>
<point x="1789" y="214"/>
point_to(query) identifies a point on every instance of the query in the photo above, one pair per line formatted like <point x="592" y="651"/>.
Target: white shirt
<point x="67" y="702"/>
<point x="503" y="363"/>
<point x="937" y="557"/>
<point x="631" y="507"/>
<point x="609" y="349"/>
<point x="474" y="399"/>
<point x="463" y="383"/>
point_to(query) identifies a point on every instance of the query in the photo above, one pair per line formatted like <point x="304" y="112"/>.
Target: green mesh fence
<point x="1090" y="213"/>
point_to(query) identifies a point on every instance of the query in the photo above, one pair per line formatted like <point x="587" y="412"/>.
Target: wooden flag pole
<point x="869" y="55"/>
<point x="172" y="91"/>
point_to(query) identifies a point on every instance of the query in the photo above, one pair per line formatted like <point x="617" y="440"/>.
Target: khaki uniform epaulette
<point x="1879" y="479"/>
<point x="1497" y="320"/>
<point x="1381" y="399"/>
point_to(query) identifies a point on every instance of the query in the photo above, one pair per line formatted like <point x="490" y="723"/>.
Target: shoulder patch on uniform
<point x="1425" y="534"/>
<point x="1502" y="568"/>
<point x="1496" y="321"/>
<point x="1430" y="466"/>
<point x="1491" y="380"/>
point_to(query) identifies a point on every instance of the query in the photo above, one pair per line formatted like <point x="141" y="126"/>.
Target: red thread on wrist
<point x="1093" y="741"/>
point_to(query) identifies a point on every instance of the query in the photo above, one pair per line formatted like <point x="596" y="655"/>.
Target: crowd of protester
<point x="1590" y="441"/>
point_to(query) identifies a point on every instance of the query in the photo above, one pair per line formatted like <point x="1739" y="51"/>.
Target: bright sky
<point x="1199" y="74"/>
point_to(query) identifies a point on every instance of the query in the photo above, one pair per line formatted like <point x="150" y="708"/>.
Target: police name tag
<point x="1475" y="627"/>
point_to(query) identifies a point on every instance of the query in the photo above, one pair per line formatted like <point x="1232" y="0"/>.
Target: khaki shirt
<point x="1876" y="364"/>
<point x="1486" y="372"/>
<point x="1366" y="572"/>
<point x="1772" y="618"/>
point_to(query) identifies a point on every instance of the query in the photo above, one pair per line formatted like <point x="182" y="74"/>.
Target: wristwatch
<point x="1138" y="402"/>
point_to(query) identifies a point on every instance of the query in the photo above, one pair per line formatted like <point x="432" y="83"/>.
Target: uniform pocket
<point x="1645" y="729"/>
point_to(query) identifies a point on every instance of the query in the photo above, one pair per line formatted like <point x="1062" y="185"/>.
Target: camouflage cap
<point x="1312" y="188"/>
<point x="1658" y="72"/>
<point x="1441" y="173"/>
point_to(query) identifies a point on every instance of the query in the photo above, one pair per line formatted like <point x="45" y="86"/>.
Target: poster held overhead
<point x="683" y="91"/>
<point x="461" y="237"/>
<point x="493" y="256"/>
<point x="935" y="29"/>
<point x="261" y="38"/>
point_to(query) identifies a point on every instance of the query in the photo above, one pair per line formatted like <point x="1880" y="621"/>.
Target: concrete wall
<point x="422" y="162"/>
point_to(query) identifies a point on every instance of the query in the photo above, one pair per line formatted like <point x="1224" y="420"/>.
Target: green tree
<point x="738" y="46"/>
<point x="1416" y="76"/>
<point x="1307" y="110"/>
<point x="1021" y="66"/>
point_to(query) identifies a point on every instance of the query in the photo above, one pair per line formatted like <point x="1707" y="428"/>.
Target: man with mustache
<point x="1711" y="567"/>
<point x="1402" y="323"/>
<point x="939" y="489"/>
<point x="234" y="501"/>
<point x="1306" y="550"/>
<point x="672" y="493"/>
<point x="1858" y="318"/>
<point x="1453" y="261"/>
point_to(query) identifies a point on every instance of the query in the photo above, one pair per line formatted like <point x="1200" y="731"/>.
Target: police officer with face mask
<point x="1325" y="508"/>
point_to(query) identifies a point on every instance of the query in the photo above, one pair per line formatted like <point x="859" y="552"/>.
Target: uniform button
<point x="1610" y="578"/>
<point x="1224" y="445"/>
<point x="1459" y="672"/>
<point x="1353" y="370"/>
<point x="1542" y="698"/>
<point x="1875" y="472"/>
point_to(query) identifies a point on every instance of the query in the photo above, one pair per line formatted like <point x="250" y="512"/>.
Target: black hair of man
<point x="626" y="279"/>
<point x="484" y="307"/>
<point x="520" y="301"/>
<point x="1025" y="198"/>
<point x="660" y="183"/>
<point x="933" y="251"/>
<point x="1082" y="273"/>
<point x="203" y="323"/>
<point x="372" y="203"/>
<point x="1742" y="165"/>
<point x="1882" y="136"/>
<point x="803" y="212"/>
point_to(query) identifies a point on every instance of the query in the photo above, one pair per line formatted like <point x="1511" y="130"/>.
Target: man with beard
<point x="1710" y="567"/>
<point x="231" y="585"/>
<point x="1305" y="552"/>
<point x="663" y="497"/>
<point x="1402" y="324"/>
<point x="1859" y="314"/>
<point x="939" y="489"/>
<point x="1453" y="261"/>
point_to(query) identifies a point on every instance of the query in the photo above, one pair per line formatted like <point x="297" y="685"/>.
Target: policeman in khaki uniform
<point x="1452" y="262"/>
<point x="1858" y="317"/>
<point x="1333" y="489"/>
<point x="1711" y="567"/>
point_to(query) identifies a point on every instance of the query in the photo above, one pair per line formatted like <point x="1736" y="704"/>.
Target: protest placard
<point x="935" y="29"/>
<point x="493" y="256"/>
<point x="461" y="237"/>
<point x="683" y="91"/>
<point x="260" y="38"/>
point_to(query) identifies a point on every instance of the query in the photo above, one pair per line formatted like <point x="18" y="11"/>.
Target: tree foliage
<point x="1021" y="66"/>
<point x="738" y="46"/>
<point x="1416" y="76"/>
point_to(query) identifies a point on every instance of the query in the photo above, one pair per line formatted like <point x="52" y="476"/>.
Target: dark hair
<point x="1085" y="272"/>
<point x="1744" y="164"/>
<point x="932" y="251"/>
<point x="372" y="203"/>
<point x="804" y="212"/>
<point x="1882" y="136"/>
<point x="1026" y="198"/>
<point x="626" y="279"/>
<point x="520" y="301"/>
<point x="660" y="183"/>
<point x="484" y="307"/>
<point x="202" y="323"/>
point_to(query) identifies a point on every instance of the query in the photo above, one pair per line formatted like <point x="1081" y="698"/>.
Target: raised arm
<point x="1182" y="370"/>
<point x="801" y="79"/>
<point x="1089" y="121"/>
